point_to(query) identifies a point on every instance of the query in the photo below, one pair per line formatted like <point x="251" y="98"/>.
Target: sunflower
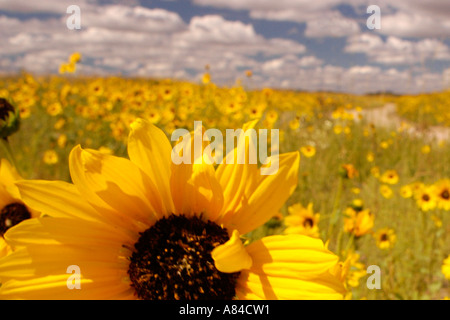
<point x="75" y="57"/>
<point x="357" y="204"/>
<point x="348" y="171"/>
<point x="389" y="177"/>
<point x="206" y="78"/>
<point x="442" y="188"/>
<point x="446" y="267"/>
<point x="302" y="220"/>
<point x="271" y="116"/>
<point x="147" y="228"/>
<point x="50" y="157"/>
<point x="370" y="157"/>
<point x="426" y="198"/>
<point x="386" y="191"/>
<point x="294" y="124"/>
<point x="358" y="222"/>
<point x="12" y="208"/>
<point x="385" y="238"/>
<point x="406" y="191"/>
<point x="352" y="269"/>
<point x="308" y="151"/>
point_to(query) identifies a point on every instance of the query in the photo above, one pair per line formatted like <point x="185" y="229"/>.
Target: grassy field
<point x="369" y="183"/>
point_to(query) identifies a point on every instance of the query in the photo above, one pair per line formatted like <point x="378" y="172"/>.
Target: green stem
<point x="337" y="199"/>
<point x="339" y="244"/>
<point x="350" y="242"/>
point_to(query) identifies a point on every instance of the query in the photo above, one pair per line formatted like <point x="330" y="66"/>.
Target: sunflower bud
<point x="348" y="171"/>
<point x="9" y="119"/>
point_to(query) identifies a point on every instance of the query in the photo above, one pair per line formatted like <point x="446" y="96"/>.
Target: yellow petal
<point x="256" y="286"/>
<point x="5" y="197"/>
<point x="8" y="175"/>
<point x="56" y="198"/>
<point x="150" y="150"/>
<point x="194" y="186"/>
<point x="237" y="180"/>
<point x="55" y="288"/>
<point x="117" y="188"/>
<point x="269" y="195"/>
<point x="8" y="172"/>
<point x="70" y="232"/>
<point x="290" y="267"/>
<point x="40" y="272"/>
<point x="232" y="255"/>
<point x="5" y="249"/>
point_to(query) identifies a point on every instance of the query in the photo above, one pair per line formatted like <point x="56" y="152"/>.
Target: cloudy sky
<point x="296" y="44"/>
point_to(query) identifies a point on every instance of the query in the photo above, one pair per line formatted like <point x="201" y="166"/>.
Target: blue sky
<point x="294" y="44"/>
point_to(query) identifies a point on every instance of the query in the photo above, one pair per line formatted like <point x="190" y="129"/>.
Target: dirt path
<point x="387" y="116"/>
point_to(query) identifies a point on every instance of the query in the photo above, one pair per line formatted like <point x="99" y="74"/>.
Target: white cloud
<point x="396" y="50"/>
<point x="215" y="29"/>
<point x="363" y="70"/>
<point x="134" y="40"/>
<point x="415" y="18"/>
<point x="47" y="6"/>
<point x="125" y="18"/>
<point x="321" y="18"/>
<point x="401" y="18"/>
<point x="333" y="26"/>
<point x="161" y="44"/>
<point x="222" y="35"/>
<point x="310" y="61"/>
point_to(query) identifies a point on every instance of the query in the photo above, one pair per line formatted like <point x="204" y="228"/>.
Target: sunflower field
<point x="359" y="208"/>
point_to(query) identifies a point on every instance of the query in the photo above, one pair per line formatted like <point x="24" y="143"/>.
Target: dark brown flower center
<point x="5" y="108"/>
<point x="384" y="237"/>
<point x="308" y="223"/>
<point x="11" y="215"/>
<point x="172" y="261"/>
<point x="445" y="194"/>
<point x="426" y="197"/>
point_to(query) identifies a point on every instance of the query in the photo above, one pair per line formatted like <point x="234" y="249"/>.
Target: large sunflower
<point x="146" y="228"/>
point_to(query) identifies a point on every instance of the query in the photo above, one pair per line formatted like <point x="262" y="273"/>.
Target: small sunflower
<point x="54" y="109"/>
<point x="426" y="149"/>
<point x="147" y="228"/>
<point x="348" y="171"/>
<point x="390" y="177"/>
<point x="206" y="78"/>
<point x="271" y="116"/>
<point x="50" y="157"/>
<point x="352" y="269"/>
<point x="442" y="191"/>
<point x="294" y="124"/>
<point x="385" y="238"/>
<point x="358" y="222"/>
<point x="75" y="57"/>
<point x="406" y="191"/>
<point x="302" y="220"/>
<point x="12" y="209"/>
<point x="446" y="267"/>
<point x="386" y="191"/>
<point x="308" y="151"/>
<point x="426" y="198"/>
<point x="357" y="204"/>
